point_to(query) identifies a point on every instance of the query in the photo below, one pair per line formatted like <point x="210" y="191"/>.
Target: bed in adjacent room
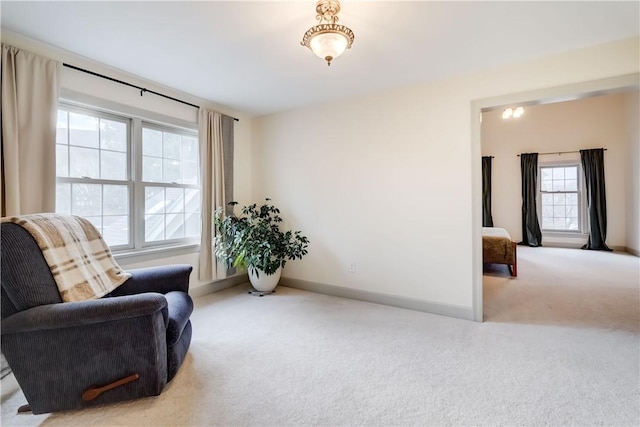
<point x="498" y="248"/>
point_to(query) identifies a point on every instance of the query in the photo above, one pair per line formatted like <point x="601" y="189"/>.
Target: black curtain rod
<point x="559" y="152"/>
<point x="491" y="157"/>
<point x="141" y="89"/>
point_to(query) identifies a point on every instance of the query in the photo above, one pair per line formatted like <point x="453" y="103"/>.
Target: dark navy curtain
<point x="593" y="166"/>
<point x="531" y="234"/>
<point x="487" y="219"/>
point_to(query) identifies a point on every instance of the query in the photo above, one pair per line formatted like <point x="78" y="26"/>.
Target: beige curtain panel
<point x="30" y="89"/>
<point x="212" y="189"/>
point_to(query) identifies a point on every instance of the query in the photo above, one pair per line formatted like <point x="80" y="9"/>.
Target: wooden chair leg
<point x="24" y="409"/>
<point x="514" y="271"/>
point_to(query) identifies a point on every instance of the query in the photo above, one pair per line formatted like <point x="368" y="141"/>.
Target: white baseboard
<point x="633" y="251"/>
<point x="456" y="311"/>
<point x="570" y="245"/>
<point x="219" y="285"/>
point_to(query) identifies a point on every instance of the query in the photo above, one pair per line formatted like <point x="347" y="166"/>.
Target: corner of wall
<point x="219" y="285"/>
<point x="633" y="172"/>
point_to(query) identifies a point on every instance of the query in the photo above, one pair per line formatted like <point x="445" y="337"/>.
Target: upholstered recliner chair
<point x="70" y="355"/>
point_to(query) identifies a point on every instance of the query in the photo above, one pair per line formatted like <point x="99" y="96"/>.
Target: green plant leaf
<point x="255" y="239"/>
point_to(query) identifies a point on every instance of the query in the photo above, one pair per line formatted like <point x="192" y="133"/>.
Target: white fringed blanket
<point x="80" y="260"/>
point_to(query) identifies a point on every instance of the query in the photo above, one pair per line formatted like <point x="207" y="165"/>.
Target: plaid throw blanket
<point x="80" y="260"/>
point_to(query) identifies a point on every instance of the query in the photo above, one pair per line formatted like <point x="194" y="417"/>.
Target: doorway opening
<point x="530" y="101"/>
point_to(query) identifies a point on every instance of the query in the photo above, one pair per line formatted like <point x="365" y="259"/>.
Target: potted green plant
<point x="254" y="241"/>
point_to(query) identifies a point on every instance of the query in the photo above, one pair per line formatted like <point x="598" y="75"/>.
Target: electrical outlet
<point x="352" y="268"/>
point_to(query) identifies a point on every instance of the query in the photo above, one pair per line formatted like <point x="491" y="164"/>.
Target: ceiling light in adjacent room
<point x="328" y="40"/>
<point x="518" y="112"/>
<point x="511" y="112"/>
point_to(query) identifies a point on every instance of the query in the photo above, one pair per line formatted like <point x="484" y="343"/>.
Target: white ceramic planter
<point x="264" y="282"/>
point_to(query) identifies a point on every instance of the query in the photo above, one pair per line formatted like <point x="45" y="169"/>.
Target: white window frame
<point x="140" y="185"/>
<point x="136" y="119"/>
<point x="71" y="108"/>
<point x="581" y="198"/>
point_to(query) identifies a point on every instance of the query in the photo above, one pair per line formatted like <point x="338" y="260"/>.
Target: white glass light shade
<point x="507" y="113"/>
<point x="518" y="112"/>
<point x="328" y="40"/>
<point x="329" y="45"/>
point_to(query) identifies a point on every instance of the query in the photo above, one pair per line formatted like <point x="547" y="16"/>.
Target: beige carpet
<point x="568" y="287"/>
<point x="560" y="346"/>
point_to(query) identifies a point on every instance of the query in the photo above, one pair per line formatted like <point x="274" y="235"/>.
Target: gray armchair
<point x="72" y="355"/>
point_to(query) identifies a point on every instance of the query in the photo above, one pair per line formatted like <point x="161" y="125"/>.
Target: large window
<point x="170" y="181"/>
<point x="560" y="196"/>
<point x="137" y="182"/>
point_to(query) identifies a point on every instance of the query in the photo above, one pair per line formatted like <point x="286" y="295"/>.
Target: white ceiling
<point x="247" y="55"/>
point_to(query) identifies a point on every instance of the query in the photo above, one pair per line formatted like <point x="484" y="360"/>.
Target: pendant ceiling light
<point x="510" y="112"/>
<point x="328" y="40"/>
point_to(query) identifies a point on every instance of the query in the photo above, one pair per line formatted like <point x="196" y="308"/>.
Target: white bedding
<point x="495" y="232"/>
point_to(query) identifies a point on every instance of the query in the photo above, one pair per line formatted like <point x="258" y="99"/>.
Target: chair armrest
<point x="156" y="279"/>
<point x="71" y="314"/>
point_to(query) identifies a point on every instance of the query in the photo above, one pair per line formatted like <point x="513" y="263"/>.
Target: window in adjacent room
<point x="137" y="182"/>
<point x="561" y="198"/>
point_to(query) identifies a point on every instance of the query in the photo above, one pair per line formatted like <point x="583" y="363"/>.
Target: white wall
<point x="79" y="82"/>
<point x="565" y="126"/>
<point x="633" y="173"/>
<point x="385" y="181"/>
<point x="382" y="181"/>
